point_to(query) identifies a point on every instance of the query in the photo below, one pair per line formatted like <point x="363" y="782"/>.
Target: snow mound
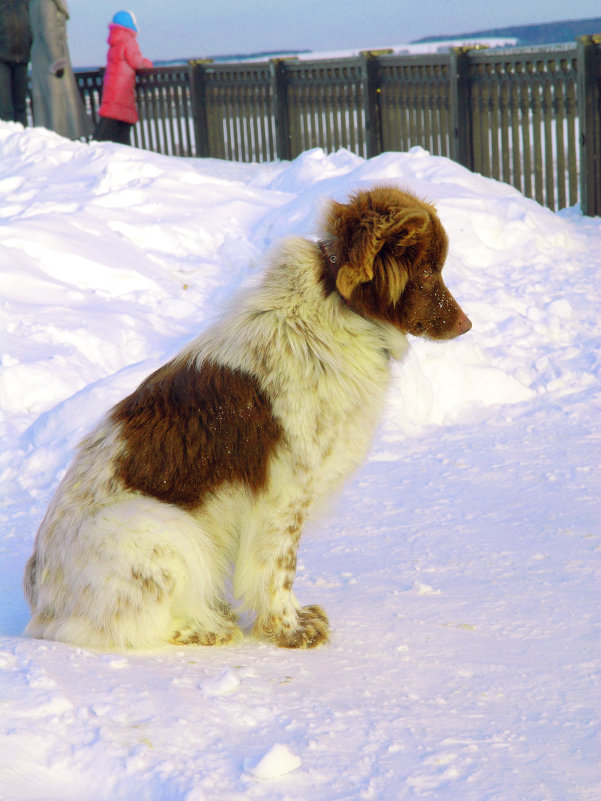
<point x="460" y="567"/>
<point x="278" y="761"/>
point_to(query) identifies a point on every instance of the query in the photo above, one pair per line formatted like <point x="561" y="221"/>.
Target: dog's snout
<point x="463" y="324"/>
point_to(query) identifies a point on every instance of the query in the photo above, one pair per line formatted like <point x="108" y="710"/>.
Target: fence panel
<point x="326" y="105"/>
<point x="89" y="84"/>
<point x="414" y="101"/>
<point x="239" y="111"/>
<point x="164" y="108"/>
<point x="525" y="122"/>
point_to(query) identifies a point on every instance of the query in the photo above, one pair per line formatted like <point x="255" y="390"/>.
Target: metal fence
<point x="525" y="123"/>
<point x="529" y="117"/>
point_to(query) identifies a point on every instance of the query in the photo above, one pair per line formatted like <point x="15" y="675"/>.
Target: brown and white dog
<point x="208" y="471"/>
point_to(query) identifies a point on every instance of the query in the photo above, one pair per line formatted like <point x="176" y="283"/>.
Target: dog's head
<point x="390" y="249"/>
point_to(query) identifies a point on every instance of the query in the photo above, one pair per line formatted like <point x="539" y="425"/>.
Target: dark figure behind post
<point x="15" y="48"/>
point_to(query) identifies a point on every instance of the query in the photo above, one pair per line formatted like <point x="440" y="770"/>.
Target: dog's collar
<point x="326" y="248"/>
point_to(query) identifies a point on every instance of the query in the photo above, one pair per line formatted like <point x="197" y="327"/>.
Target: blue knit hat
<point x="126" y="19"/>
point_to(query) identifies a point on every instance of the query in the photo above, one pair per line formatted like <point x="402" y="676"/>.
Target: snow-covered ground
<point x="459" y="567"/>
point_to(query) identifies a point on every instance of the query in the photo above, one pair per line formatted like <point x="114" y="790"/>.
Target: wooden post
<point x="589" y="112"/>
<point x="196" y="72"/>
<point x="462" y="145"/>
<point x="283" y="135"/>
<point x="371" y="101"/>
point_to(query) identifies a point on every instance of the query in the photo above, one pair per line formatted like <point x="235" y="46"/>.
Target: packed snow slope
<point x="459" y="566"/>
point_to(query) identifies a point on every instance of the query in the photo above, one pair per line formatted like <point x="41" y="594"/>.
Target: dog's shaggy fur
<point x="217" y="459"/>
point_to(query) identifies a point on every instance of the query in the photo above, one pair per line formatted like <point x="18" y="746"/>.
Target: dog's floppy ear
<point x="362" y="235"/>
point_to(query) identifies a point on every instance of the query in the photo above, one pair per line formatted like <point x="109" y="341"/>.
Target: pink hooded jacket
<point x="118" y="88"/>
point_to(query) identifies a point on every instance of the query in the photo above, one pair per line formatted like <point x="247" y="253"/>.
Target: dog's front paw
<point x="312" y="629"/>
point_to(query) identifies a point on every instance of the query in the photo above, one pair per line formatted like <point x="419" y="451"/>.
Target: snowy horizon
<point x="187" y="30"/>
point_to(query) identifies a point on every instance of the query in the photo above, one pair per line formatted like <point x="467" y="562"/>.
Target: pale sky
<point x="170" y="29"/>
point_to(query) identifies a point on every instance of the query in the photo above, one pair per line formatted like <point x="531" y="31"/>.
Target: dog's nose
<point x="463" y="324"/>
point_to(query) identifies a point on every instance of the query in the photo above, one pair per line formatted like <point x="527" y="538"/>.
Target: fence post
<point x="589" y="112"/>
<point x="279" y="85"/>
<point x="462" y="145"/>
<point x="196" y="73"/>
<point x="371" y="101"/>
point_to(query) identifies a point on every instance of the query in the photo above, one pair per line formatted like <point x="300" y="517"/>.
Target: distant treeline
<point x="529" y="35"/>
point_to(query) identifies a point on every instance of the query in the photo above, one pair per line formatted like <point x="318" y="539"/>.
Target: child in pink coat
<point x="118" y="111"/>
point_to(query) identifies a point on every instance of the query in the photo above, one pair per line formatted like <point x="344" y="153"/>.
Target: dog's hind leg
<point x="222" y="630"/>
<point x="137" y="573"/>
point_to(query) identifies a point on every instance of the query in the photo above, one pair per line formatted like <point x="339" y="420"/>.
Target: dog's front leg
<point x="285" y="622"/>
<point x="280" y="618"/>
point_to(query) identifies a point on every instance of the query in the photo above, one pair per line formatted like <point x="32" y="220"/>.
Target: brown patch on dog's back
<point x="188" y="429"/>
